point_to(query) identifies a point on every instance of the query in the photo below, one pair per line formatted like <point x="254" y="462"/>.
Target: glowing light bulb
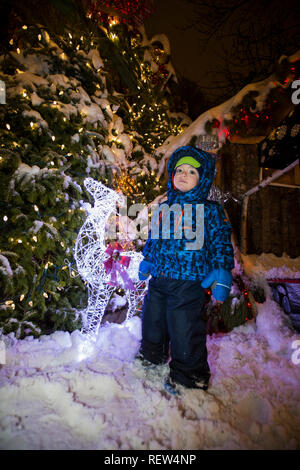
<point x="89" y="249"/>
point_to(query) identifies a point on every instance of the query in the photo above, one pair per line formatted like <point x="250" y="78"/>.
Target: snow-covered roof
<point x="223" y="112"/>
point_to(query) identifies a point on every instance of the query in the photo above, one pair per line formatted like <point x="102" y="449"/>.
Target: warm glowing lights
<point x="126" y="184"/>
<point x="91" y="252"/>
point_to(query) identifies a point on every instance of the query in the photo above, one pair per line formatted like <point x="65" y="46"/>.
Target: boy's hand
<point x="220" y="282"/>
<point x="144" y="270"/>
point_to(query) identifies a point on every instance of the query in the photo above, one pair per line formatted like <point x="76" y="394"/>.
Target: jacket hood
<point x="206" y="175"/>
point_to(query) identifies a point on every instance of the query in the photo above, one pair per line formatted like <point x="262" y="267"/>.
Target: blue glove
<point x="144" y="270"/>
<point x="220" y="282"/>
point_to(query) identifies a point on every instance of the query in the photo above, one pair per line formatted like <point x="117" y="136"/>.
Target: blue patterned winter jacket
<point x="168" y="247"/>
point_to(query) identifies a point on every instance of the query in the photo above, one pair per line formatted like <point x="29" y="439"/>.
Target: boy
<point x="181" y="269"/>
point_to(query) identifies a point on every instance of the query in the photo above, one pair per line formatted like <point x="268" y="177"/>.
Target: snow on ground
<point x="60" y="392"/>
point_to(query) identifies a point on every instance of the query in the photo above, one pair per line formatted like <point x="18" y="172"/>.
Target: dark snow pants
<point x="173" y="318"/>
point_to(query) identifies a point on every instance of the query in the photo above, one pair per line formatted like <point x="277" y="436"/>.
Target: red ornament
<point x="160" y="76"/>
<point x="216" y="124"/>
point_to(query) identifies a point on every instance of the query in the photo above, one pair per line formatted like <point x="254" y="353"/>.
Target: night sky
<point x="194" y="61"/>
<point x="169" y="17"/>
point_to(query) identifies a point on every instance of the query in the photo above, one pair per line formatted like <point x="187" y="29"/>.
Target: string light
<point x="127" y="183"/>
<point x="90" y="254"/>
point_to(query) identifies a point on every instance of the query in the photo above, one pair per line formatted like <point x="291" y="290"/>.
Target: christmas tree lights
<point x="68" y="115"/>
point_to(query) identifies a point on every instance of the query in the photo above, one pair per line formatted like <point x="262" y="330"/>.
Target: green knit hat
<point x="189" y="161"/>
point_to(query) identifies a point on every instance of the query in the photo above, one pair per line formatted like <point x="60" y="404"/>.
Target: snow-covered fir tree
<point x="76" y="107"/>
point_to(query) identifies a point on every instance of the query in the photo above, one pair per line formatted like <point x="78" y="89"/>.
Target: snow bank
<point x="62" y="392"/>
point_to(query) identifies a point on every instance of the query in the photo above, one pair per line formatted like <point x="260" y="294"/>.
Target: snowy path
<point x="51" y="398"/>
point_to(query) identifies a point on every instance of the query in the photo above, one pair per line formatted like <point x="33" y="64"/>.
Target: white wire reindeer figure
<point x="104" y="266"/>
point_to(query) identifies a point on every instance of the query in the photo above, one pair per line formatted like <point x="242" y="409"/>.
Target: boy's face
<point x="186" y="177"/>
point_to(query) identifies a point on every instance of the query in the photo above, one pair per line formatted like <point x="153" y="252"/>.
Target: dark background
<point x="172" y="17"/>
<point x="218" y="47"/>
